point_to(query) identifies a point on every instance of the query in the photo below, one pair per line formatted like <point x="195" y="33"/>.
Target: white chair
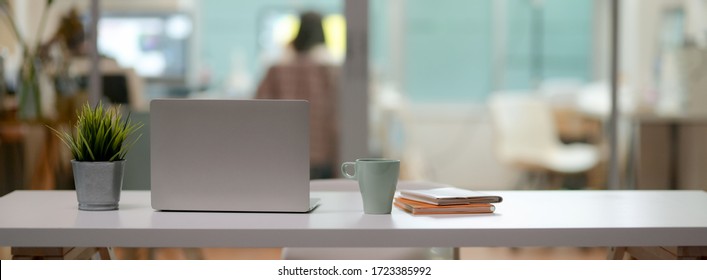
<point x="366" y="253"/>
<point x="528" y="138"/>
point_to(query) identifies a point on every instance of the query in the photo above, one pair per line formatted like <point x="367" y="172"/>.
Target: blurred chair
<point x="528" y="138"/>
<point x="366" y="253"/>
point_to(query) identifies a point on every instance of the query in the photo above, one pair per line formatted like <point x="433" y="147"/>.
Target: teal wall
<point x="566" y="29"/>
<point x="447" y="48"/>
<point x="379" y="37"/>
<point x="568" y="38"/>
<point x="228" y="25"/>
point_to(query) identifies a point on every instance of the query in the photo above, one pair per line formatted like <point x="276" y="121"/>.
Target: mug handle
<point x="346" y="174"/>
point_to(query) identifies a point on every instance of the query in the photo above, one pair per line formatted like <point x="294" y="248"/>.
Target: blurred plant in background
<point x="29" y="90"/>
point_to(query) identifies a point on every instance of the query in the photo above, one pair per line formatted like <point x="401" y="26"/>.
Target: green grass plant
<point x="100" y="134"/>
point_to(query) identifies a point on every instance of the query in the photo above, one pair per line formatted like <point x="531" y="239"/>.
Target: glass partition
<point x="500" y="94"/>
<point x="499" y="81"/>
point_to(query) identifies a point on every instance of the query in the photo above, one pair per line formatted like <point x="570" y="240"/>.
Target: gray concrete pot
<point x="98" y="184"/>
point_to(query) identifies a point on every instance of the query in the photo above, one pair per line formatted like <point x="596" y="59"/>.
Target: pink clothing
<point x="305" y="79"/>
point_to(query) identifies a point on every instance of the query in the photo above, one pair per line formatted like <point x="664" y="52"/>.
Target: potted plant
<point x="99" y="146"/>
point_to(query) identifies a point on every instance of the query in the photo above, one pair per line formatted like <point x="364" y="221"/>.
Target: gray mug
<point x="377" y="180"/>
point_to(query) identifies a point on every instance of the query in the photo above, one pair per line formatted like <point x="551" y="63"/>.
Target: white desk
<point x="525" y="218"/>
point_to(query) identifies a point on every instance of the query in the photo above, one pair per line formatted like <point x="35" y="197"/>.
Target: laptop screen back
<point x="230" y="155"/>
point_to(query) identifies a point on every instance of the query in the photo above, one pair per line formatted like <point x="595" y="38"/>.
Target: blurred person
<point x="305" y="72"/>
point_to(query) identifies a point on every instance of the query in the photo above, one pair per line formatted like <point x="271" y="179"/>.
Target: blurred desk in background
<point x="670" y="151"/>
<point x="32" y="157"/>
<point x="12" y="148"/>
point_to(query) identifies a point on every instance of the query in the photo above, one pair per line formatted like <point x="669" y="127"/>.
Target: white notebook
<point x="449" y="196"/>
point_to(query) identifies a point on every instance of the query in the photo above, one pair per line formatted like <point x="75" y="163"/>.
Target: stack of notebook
<point x="447" y="200"/>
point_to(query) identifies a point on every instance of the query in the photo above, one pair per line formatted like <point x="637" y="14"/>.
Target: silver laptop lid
<point x="230" y="155"/>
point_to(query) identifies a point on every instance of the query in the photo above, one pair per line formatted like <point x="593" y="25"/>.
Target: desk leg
<point x="616" y="253"/>
<point x="660" y="253"/>
<point x="106" y="253"/>
<point x="193" y="254"/>
<point x="692" y="253"/>
<point x="61" y="253"/>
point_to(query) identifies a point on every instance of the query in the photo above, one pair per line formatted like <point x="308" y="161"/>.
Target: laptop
<point x="230" y="155"/>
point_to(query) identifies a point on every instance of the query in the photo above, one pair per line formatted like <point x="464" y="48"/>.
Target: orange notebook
<point x="421" y="208"/>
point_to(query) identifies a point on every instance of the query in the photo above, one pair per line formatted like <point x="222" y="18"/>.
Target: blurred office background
<point x="481" y="94"/>
<point x="489" y="95"/>
<point x="507" y="94"/>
